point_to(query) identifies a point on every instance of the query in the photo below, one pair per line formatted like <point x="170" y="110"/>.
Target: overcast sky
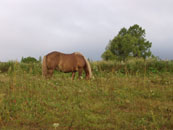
<point x="37" y="27"/>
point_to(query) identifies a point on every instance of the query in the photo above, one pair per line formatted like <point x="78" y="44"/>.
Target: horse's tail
<point x="88" y="67"/>
<point x="44" y="67"/>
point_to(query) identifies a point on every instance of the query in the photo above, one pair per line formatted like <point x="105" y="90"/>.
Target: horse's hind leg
<point x="73" y="75"/>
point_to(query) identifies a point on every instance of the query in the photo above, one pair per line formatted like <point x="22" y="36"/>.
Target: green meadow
<point x="136" y="95"/>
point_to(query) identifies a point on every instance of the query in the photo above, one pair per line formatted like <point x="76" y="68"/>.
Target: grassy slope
<point x="109" y="101"/>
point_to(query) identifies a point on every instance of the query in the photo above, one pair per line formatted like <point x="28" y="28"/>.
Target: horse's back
<point x="65" y="62"/>
<point x="71" y="62"/>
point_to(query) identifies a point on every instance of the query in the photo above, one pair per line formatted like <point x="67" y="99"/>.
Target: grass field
<point x="111" y="100"/>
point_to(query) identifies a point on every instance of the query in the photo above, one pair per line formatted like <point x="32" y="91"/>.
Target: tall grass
<point x="134" y="66"/>
<point x="131" y="66"/>
<point x="116" y="98"/>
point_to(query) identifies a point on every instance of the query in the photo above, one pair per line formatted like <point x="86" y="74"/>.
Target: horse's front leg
<point x="80" y="73"/>
<point x="49" y="73"/>
<point x="73" y="75"/>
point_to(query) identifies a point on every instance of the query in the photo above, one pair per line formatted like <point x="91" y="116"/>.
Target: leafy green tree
<point x="128" y="43"/>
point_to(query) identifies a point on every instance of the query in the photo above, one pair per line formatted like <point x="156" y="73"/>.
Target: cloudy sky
<point x="36" y="27"/>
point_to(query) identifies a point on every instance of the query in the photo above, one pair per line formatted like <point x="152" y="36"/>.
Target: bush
<point x="134" y="66"/>
<point x="33" y="68"/>
<point x="29" y="60"/>
<point x="4" y="66"/>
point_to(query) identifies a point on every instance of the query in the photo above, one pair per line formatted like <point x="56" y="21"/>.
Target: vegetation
<point x="135" y="95"/>
<point x="128" y="43"/>
<point x="29" y="60"/>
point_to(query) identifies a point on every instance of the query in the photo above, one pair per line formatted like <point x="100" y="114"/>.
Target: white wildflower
<point x="55" y="125"/>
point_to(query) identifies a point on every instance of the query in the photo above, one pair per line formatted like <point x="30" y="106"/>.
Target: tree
<point x="108" y="55"/>
<point x="128" y="43"/>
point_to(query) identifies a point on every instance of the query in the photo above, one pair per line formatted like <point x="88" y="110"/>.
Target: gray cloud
<point x="36" y="27"/>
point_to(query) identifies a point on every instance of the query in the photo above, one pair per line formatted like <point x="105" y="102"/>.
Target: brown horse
<point x="66" y="63"/>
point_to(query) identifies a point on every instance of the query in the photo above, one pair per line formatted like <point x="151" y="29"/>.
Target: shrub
<point x="134" y="66"/>
<point x="4" y="66"/>
<point x="33" y="68"/>
<point x="29" y="60"/>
